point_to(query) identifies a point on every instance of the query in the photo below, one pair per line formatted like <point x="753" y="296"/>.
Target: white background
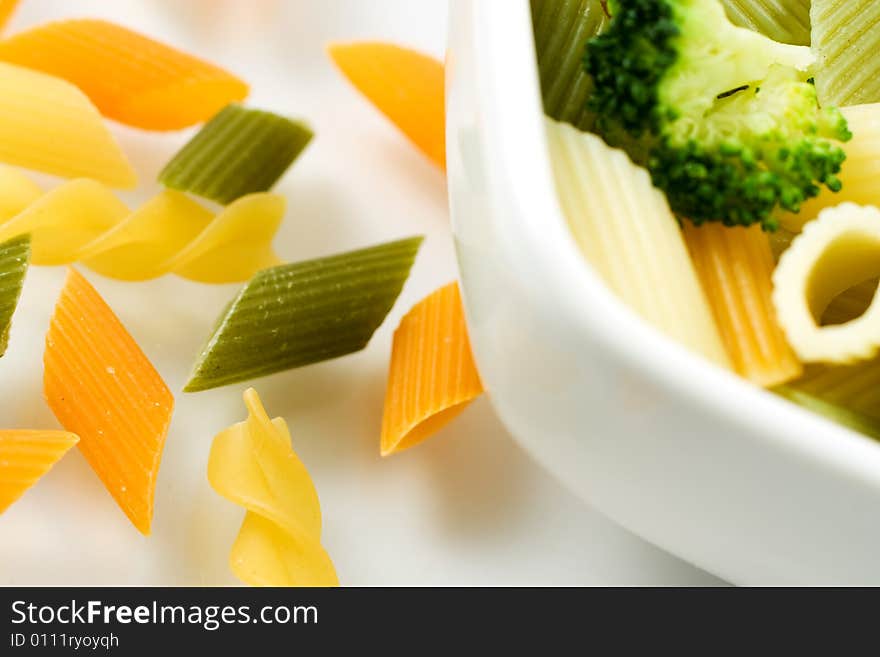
<point x="468" y="507"/>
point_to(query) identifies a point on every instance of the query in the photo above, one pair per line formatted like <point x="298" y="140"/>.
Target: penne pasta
<point x="406" y="86"/>
<point x="846" y="39"/>
<point x="735" y="266"/>
<point x="302" y="313"/>
<point x="7" y="8"/>
<point x="626" y="231"/>
<point x="48" y="125"/>
<point x="240" y="151"/>
<point x="101" y="386"/>
<point x="14" y="256"/>
<point x="787" y="21"/>
<point x="25" y="456"/>
<point x="129" y="77"/>
<point x="839" y="250"/>
<point x="252" y="464"/>
<point x="562" y="29"/>
<point x="432" y="377"/>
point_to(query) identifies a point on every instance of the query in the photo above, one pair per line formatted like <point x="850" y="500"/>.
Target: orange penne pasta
<point x="129" y="77"/>
<point x="25" y="456"/>
<point x="432" y="377"/>
<point x="6" y="9"/>
<point x="406" y="86"/>
<point x="735" y="266"/>
<point x="101" y="386"/>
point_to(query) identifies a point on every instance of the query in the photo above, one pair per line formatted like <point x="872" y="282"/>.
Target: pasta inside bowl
<point x="838" y="251"/>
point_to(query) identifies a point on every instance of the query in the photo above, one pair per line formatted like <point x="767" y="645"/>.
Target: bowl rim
<point x="508" y="90"/>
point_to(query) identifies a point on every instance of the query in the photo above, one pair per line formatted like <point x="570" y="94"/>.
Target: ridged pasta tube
<point x="49" y="125"/>
<point x="839" y="250"/>
<point x="625" y="229"/>
<point x="82" y="220"/>
<point x="846" y="40"/>
<point x="787" y="21"/>
<point x="25" y="456"/>
<point x="735" y="265"/>
<point x="562" y="29"/>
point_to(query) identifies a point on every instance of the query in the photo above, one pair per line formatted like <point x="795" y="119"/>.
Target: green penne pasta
<point x="848" y="418"/>
<point x="14" y="256"/>
<point x="302" y="313"/>
<point x="787" y="21"/>
<point x="240" y="151"/>
<point x="846" y="39"/>
<point x="562" y="29"/>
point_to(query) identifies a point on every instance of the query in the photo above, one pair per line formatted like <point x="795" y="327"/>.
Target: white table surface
<point x="467" y="507"/>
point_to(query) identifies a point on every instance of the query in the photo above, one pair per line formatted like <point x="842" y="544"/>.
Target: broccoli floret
<point x="725" y="119"/>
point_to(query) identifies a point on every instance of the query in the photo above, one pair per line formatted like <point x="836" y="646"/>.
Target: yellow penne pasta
<point x="49" y="125"/>
<point x="837" y="251"/>
<point x="735" y="266"/>
<point x="846" y="39"/>
<point x="626" y="230"/>
<point x="82" y="220"/>
<point x="860" y="173"/>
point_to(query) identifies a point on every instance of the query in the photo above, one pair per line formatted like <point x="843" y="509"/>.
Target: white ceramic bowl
<point x="691" y="458"/>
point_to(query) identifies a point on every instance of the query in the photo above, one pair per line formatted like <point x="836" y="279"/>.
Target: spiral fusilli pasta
<point x="252" y="464"/>
<point x="83" y="221"/>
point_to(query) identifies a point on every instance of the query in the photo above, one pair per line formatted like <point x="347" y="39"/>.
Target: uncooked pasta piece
<point x="626" y="231"/>
<point x="252" y="464"/>
<point x="859" y="173"/>
<point x="101" y="386"/>
<point x="7" y="8"/>
<point x="128" y="76"/>
<point x="66" y="219"/>
<point x="25" y="456"/>
<point x="82" y="220"/>
<point x="13" y="267"/>
<point x="837" y="251"/>
<point x="302" y="313"/>
<point x="562" y="29"/>
<point x="406" y="86"/>
<point x="846" y="39"/>
<point x="240" y="151"/>
<point x="735" y="266"/>
<point x="432" y="377"/>
<point x="236" y="244"/>
<point x="139" y="246"/>
<point x="787" y="21"/>
<point x="48" y="125"/>
<point x="17" y="192"/>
